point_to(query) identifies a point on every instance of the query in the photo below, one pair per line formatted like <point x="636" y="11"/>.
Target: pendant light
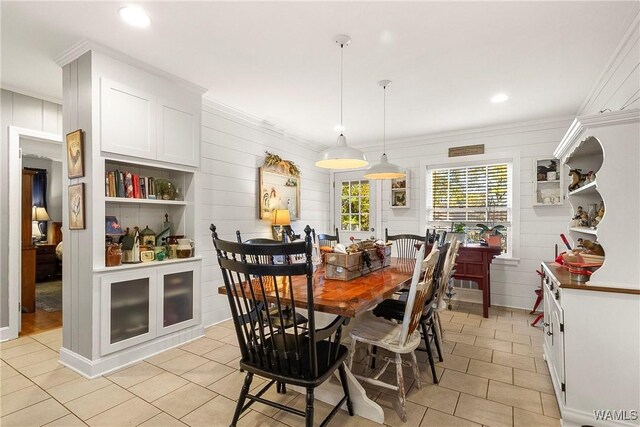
<point x="341" y="156"/>
<point x="384" y="169"/>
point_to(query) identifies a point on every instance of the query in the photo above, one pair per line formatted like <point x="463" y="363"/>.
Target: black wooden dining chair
<point x="287" y="313"/>
<point x="407" y="245"/>
<point x="328" y="239"/>
<point x="271" y="351"/>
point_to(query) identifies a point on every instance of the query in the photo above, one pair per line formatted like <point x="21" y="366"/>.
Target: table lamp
<point x="38" y="213"/>
<point x="281" y="217"/>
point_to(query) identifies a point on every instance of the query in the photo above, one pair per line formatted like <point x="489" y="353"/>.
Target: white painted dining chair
<point x="398" y="338"/>
<point x="447" y="275"/>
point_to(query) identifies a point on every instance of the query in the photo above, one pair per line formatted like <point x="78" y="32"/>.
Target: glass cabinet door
<point x="178" y="298"/>
<point x="128" y="310"/>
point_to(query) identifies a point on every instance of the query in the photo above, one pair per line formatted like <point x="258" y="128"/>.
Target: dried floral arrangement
<point x="275" y="162"/>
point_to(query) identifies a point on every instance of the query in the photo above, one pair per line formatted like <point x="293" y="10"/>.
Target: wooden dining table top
<point x="344" y="298"/>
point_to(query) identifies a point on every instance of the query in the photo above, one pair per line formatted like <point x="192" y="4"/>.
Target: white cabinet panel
<point x="128" y="121"/>
<point x="177" y="129"/>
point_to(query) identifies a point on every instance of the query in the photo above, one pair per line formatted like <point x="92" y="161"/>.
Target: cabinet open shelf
<point x="585" y="230"/>
<point x="589" y="188"/>
<point x="145" y="264"/>
<point x="145" y="201"/>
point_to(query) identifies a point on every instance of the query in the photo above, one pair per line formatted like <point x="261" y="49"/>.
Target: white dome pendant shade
<point x="384" y="169"/>
<point x="341" y="156"/>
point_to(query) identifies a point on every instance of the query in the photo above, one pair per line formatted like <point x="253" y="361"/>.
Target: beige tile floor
<point x="493" y="375"/>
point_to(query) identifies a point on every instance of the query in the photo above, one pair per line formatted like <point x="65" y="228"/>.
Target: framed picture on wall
<point x="278" y="191"/>
<point x="76" y="207"/>
<point x="75" y="154"/>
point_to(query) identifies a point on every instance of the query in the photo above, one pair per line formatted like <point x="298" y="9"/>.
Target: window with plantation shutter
<point x="478" y="194"/>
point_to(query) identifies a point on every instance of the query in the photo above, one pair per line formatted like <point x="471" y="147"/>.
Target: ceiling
<point x="277" y="60"/>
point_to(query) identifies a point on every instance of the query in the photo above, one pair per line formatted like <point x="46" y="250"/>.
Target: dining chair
<point x="446" y="277"/>
<point x="406" y="244"/>
<point x="397" y="338"/>
<point x="287" y="313"/>
<point x="328" y="239"/>
<point x="268" y="349"/>
<point x="394" y="309"/>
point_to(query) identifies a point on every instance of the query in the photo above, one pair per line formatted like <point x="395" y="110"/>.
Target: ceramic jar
<point x="184" y="248"/>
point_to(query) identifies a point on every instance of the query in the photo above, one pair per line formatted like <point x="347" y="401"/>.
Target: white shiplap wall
<point x="512" y="285"/>
<point x="233" y="148"/>
<point x="29" y="113"/>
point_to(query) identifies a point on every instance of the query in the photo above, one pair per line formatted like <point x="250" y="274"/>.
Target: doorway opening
<point x="35" y="232"/>
<point x="41" y="161"/>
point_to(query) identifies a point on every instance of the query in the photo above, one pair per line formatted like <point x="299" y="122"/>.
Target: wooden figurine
<point x="591" y="247"/>
<point x="576" y="178"/>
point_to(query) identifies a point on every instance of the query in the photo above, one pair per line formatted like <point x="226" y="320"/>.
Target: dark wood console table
<point x="474" y="263"/>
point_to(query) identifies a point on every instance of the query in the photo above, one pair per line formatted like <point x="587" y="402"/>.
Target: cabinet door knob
<point x="549" y="333"/>
<point x="546" y="324"/>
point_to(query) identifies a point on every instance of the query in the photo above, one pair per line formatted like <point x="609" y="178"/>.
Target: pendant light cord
<point x="341" y="79"/>
<point x="384" y="120"/>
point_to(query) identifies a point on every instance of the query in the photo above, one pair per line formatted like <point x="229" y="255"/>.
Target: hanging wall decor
<point x="76" y="207"/>
<point x="75" y="154"/>
<point x="279" y="187"/>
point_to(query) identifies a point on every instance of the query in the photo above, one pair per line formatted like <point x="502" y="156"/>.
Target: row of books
<point x="126" y="184"/>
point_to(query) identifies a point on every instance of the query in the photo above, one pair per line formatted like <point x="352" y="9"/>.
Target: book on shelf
<point x="124" y="184"/>
<point x="128" y="185"/>
<point x="143" y="187"/>
<point x="151" y="189"/>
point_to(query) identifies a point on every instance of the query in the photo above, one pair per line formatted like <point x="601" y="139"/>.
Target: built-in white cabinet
<point x="144" y="125"/>
<point x="553" y="328"/>
<point x="138" y="123"/>
<point x="176" y="133"/>
<point x="145" y="302"/>
<point x="592" y="329"/>
<point x="127" y="120"/>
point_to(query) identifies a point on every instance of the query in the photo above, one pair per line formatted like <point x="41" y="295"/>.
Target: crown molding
<point x="84" y="46"/>
<point x="593" y="121"/>
<point x="626" y="43"/>
<point x="257" y="123"/>
<point x="479" y="132"/>
<point x="30" y="93"/>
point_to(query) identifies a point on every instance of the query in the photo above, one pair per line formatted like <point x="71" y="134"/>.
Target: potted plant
<point x="458" y="230"/>
<point x="492" y="236"/>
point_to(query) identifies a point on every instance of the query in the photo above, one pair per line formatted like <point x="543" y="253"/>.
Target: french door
<point x="355" y="200"/>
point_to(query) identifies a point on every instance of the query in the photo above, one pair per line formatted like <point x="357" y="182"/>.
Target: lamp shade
<point x="342" y="156"/>
<point x="40" y="214"/>
<point x="281" y="217"/>
<point x="384" y="170"/>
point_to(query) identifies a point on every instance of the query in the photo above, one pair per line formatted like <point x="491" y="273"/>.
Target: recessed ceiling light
<point x="501" y="97"/>
<point x="135" y="16"/>
<point x="338" y="128"/>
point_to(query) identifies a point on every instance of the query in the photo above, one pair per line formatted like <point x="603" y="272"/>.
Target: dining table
<point x="345" y="300"/>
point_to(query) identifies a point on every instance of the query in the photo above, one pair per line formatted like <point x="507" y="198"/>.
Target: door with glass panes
<point x="355" y="206"/>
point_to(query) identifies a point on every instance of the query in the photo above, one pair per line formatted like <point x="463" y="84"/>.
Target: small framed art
<point x="76" y="207"/>
<point x="75" y="154"/>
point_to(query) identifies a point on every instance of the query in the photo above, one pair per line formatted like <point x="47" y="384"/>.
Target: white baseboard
<point x="120" y="359"/>
<point x="5" y="334"/>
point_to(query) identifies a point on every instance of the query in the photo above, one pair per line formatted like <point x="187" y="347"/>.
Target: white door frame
<point x="377" y="197"/>
<point x="15" y="208"/>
